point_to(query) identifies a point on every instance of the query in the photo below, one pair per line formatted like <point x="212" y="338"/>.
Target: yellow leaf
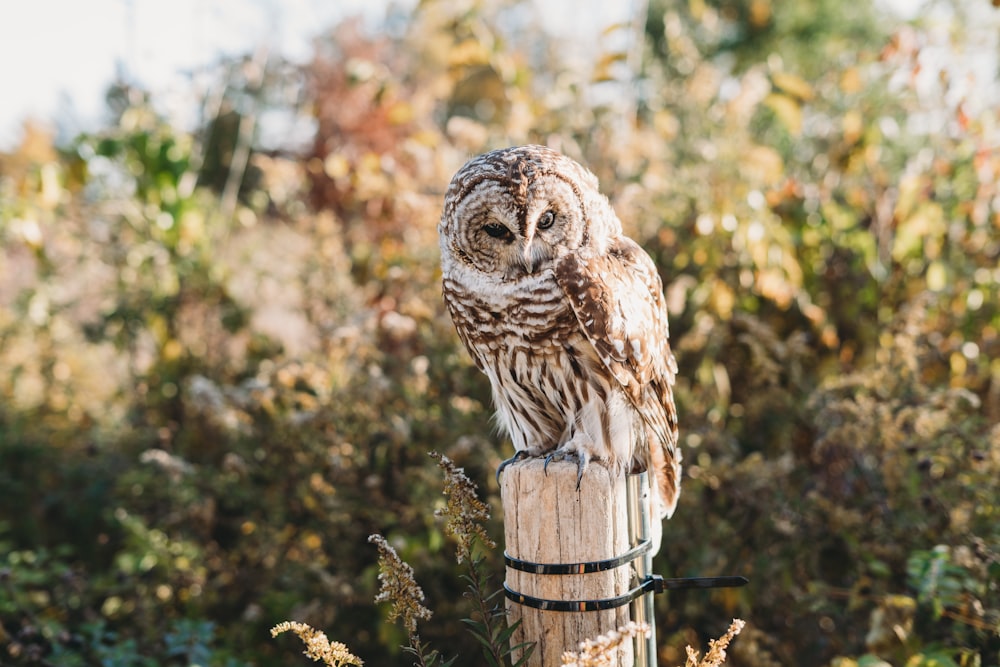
<point x="602" y="69"/>
<point x="760" y="13"/>
<point x="371" y="163"/>
<point x="722" y="299"/>
<point x="312" y="541"/>
<point x="794" y="85"/>
<point x="959" y="364"/>
<point x="850" y="81"/>
<point x="787" y="110"/>
<point x="336" y="165"/>
<point x="764" y="165"/>
<point x="841" y="661"/>
<point x="774" y="284"/>
<point x="910" y="189"/>
<point x="937" y="276"/>
<point x="172" y="350"/>
<point x="853" y="125"/>
<point x="469" y="52"/>
<point x="620" y="25"/>
<point x="51" y="190"/>
<point x="426" y="138"/>
<point x="400" y="113"/>
<point x="925" y="224"/>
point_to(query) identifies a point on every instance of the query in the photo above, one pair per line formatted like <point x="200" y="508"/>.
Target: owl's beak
<point x="529" y="259"/>
<point x="530" y="255"/>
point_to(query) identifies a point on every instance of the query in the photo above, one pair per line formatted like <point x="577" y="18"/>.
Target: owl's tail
<point x="666" y="467"/>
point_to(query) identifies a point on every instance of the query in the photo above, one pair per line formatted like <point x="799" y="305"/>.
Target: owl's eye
<point x="498" y="231"/>
<point x="547" y="220"/>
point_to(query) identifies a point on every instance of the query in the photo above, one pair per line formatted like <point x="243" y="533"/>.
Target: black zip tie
<point x="653" y="583"/>
<point x="580" y="605"/>
<point x="577" y="568"/>
<point x="680" y="583"/>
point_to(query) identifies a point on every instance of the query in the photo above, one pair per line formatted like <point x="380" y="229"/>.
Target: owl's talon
<point x="557" y="455"/>
<point x="582" y="460"/>
<point x="581" y="465"/>
<point x="519" y="455"/>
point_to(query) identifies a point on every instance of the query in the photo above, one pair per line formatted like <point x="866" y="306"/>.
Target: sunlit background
<point x="224" y="356"/>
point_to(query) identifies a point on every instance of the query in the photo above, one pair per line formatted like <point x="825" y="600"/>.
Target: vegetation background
<point x="223" y="362"/>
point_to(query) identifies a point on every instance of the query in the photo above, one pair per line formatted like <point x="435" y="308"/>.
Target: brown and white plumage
<point x="563" y="313"/>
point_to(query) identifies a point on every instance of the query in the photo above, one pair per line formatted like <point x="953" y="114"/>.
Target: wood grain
<point x="547" y="520"/>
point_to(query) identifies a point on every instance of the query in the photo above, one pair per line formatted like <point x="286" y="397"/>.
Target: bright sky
<point x="58" y="56"/>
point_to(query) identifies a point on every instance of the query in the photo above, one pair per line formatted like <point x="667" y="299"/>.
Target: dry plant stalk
<point x="716" y="648"/>
<point x="318" y="647"/>
<point x="600" y="652"/>
<point x="398" y="586"/>
<point x="465" y="513"/>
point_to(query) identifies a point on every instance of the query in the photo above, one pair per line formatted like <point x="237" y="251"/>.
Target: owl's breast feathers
<point x="495" y="323"/>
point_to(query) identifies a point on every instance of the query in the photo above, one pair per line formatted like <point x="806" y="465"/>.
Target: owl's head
<point x="511" y="212"/>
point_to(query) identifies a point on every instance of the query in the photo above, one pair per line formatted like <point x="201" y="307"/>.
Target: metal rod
<point x="638" y="505"/>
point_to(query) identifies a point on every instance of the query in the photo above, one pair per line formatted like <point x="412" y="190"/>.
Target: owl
<point x="564" y="314"/>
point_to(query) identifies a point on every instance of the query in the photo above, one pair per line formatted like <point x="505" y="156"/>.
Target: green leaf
<point x="935" y="659"/>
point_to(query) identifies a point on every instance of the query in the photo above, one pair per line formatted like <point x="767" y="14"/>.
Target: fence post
<point x="548" y="521"/>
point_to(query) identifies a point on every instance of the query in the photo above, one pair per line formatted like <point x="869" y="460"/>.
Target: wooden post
<point x="547" y="520"/>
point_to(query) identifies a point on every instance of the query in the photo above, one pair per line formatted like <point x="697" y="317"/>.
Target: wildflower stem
<point x="465" y="516"/>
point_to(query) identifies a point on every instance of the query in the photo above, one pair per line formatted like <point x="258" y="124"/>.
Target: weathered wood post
<point x="569" y="548"/>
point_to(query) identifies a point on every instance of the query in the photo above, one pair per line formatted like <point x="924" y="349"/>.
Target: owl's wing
<point x="618" y="300"/>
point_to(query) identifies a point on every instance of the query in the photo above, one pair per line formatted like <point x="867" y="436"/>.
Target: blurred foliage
<point x="222" y="362"/>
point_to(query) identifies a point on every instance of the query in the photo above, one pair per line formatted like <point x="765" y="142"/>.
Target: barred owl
<point x="563" y="313"/>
